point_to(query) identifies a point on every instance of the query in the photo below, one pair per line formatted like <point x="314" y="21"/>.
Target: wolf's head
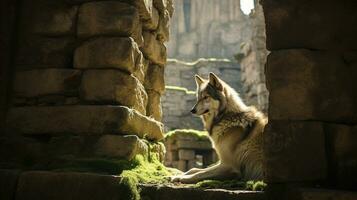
<point x="210" y="93"/>
<point x="214" y="96"/>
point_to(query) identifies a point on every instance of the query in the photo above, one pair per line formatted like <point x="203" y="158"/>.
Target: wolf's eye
<point x="205" y="97"/>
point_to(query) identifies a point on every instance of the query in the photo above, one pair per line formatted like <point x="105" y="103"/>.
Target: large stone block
<point x="294" y="151"/>
<point x="37" y="82"/>
<point x="325" y="194"/>
<point x="43" y="185"/>
<point x="310" y="24"/>
<point x="153" y="108"/>
<point x="121" y="146"/>
<point x="152" y="23"/>
<point x="113" y="87"/>
<point x="163" y="31"/>
<point x="49" y="18"/>
<point x="109" y="18"/>
<point x="154" y="49"/>
<point x="154" y="79"/>
<point x="8" y="182"/>
<point x="82" y="120"/>
<point x="45" y="52"/>
<point x="312" y="85"/>
<point x="342" y="140"/>
<point x="108" y="52"/>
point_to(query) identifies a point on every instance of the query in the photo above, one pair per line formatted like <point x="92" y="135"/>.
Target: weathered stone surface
<point x="50" y="18"/>
<point x="294" y="151"/>
<point x="342" y="140"/>
<point x="109" y="18"/>
<point x="191" y="144"/>
<point x="154" y="49"/>
<point x="144" y="6"/>
<point x="183" y="193"/>
<point x="108" y="52"/>
<point x="142" y="65"/>
<point x="311" y="25"/>
<point x="37" y="82"/>
<point x="83" y="120"/>
<point x="113" y="87"/>
<point x="43" y="185"/>
<point x="185" y="154"/>
<point x="45" y="53"/>
<point x="121" y="146"/>
<point x="153" y="108"/>
<point x="8" y="181"/>
<point x="155" y="79"/>
<point x="152" y="23"/>
<point x="325" y="194"/>
<point x="163" y="32"/>
<point x="161" y="5"/>
<point x="170" y="7"/>
<point x="311" y="85"/>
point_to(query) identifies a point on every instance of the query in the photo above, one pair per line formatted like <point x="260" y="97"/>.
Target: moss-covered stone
<point x="196" y="134"/>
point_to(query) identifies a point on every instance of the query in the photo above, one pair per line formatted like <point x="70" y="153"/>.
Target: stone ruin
<point x="87" y="82"/>
<point x="186" y="149"/>
<point x="309" y="144"/>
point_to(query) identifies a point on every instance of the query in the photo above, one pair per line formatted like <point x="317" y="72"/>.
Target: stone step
<point x="44" y="185"/>
<point x="326" y="194"/>
<point x="164" y="192"/>
<point x="82" y="120"/>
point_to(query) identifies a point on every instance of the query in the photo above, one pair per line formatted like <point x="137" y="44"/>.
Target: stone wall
<point x="252" y="59"/>
<point x="88" y="79"/>
<point x="311" y="73"/>
<point x="207" y="28"/>
<point x="180" y="96"/>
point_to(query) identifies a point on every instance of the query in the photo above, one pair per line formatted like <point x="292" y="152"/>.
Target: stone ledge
<point x="39" y="82"/>
<point x="164" y="192"/>
<point x="83" y="120"/>
<point x="42" y="185"/>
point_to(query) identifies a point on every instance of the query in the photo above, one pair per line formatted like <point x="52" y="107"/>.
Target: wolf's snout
<point x="193" y="111"/>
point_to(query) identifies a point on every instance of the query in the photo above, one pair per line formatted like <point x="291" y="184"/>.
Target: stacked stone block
<point x="310" y="72"/>
<point x="87" y="83"/>
<point x="187" y="151"/>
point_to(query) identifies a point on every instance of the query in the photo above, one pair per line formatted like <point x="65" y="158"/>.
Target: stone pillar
<point x="88" y="80"/>
<point x="311" y="72"/>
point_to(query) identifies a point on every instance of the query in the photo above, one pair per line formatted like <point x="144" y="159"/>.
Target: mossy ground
<point x="232" y="184"/>
<point x="199" y="135"/>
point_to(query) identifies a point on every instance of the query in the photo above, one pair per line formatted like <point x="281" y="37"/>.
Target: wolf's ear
<point x="215" y="81"/>
<point x="199" y="80"/>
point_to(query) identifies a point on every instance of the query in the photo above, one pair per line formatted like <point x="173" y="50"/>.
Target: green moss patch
<point x="231" y="184"/>
<point x="169" y="87"/>
<point x="199" y="135"/>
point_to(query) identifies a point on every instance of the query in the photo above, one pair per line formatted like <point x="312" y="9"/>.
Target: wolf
<point x="235" y="130"/>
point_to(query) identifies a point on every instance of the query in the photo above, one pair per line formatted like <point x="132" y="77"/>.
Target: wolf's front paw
<point x="183" y="179"/>
<point x="175" y="178"/>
